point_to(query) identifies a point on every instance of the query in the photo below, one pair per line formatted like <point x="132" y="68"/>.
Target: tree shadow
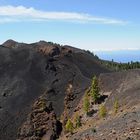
<point x="102" y="99"/>
<point x="90" y="113"/>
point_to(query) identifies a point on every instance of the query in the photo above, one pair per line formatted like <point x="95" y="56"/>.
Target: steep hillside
<point x="124" y="123"/>
<point x="45" y="70"/>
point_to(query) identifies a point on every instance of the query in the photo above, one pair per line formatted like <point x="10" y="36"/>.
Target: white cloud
<point x="7" y="20"/>
<point x="21" y="13"/>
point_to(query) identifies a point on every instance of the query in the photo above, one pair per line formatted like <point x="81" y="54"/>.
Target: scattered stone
<point x="4" y="94"/>
<point x="131" y="133"/>
<point x="125" y="134"/>
<point x="101" y="134"/>
<point x="113" y="131"/>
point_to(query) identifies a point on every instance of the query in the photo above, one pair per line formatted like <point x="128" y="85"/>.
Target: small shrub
<point x="93" y="130"/>
<point x="77" y="121"/>
<point x="86" y="103"/>
<point x="116" y="106"/>
<point x="42" y="104"/>
<point x="69" y="126"/>
<point x="102" y="111"/>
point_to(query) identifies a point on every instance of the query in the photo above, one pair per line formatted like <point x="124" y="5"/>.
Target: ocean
<point x="120" y="56"/>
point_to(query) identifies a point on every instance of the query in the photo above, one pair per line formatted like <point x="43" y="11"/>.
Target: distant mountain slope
<point x="29" y="71"/>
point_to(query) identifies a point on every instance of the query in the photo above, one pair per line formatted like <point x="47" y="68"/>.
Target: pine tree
<point x="86" y="103"/>
<point x="77" y="121"/>
<point x="116" y="106"/>
<point x="95" y="90"/>
<point x="69" y="126"/>
<point x="102" y="111"/>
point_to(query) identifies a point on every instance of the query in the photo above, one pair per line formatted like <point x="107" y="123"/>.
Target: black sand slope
<point x="28" y="71"/>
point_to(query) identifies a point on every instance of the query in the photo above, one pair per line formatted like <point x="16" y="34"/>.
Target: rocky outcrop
<point x="10" y="43"/>
<point x="41" y="123"/>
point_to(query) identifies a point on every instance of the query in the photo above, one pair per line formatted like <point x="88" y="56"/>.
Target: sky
<point x="95" y="25"/>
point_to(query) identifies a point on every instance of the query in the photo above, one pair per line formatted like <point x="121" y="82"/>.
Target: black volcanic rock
<point x="28" y="71"/>
<point x="40" y="122"/>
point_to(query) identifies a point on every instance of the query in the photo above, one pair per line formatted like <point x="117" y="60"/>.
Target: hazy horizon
<point x="122" y="55"/>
